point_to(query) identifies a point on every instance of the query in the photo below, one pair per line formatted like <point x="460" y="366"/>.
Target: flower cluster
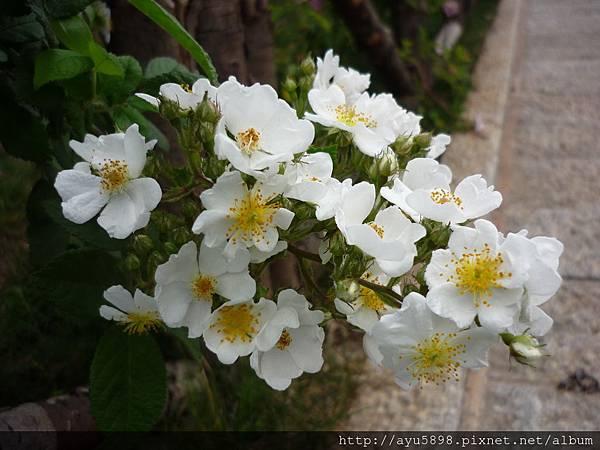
<point x="408" y="257"/>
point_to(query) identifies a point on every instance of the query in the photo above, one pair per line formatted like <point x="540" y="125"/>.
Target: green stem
<point x="381" y="289"/>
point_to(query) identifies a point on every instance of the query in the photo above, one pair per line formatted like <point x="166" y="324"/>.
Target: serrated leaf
<point x="20" y="30"/>
<point x="118" y="89"/>
<point x="104" y="62"/>
<point x="127" y="382"/>
<point x="57" y="64"/>
<point x="74" y="33"/>
<point x="170" y="24"/>
<point x="162" y="65"/>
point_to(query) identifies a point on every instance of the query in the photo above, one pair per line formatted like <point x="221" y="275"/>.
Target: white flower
<point x="310" y="180"/>
<point x="480" y="274"/>
<point x="364" y="312"/>
<point x="351" y="82"/>
<point x="109" y="179"/>
<point x="438" y="146"/>
<point x="240" y="216"/>
<point x="542" y="283"/>
<point x="390" y="239"/>
<point x="137" y="314"/>
<point x="290" y="343"/>
<point x="374" y="121"/>
<point x="353" y="205"/>
<point x="425" y="191"/>
<point x="233" y="327"/>
<point x="421" y="347"/>
<point x="187" y="283"/>
<point x="183" y="95"/>
<point x="257" y="129"/>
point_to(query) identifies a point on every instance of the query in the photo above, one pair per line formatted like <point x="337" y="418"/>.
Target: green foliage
<point x="168" y="23"/>
<point x="127" y="382"/>
<point x="58" y="64"/>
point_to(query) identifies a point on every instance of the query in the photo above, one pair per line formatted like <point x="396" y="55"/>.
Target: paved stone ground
<point x="538" y="90"/>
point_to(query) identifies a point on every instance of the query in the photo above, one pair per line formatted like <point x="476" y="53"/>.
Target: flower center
<point x="348" y="115"/>
<point x="442" y="196"/>
<point x="204" y="287"/>
<point x="284" y="340"/>
<point x="378" y="229"/>
<point x="114" y="174"/>
<point x="436" y="359"/>
<point x="371" y="300"/>
<point x="248" y="140"/>
<point x="141" y="322"/>
<point x="186" y="87"/>
<point x="236" y="323"/>
<point x="477" y="273"/>
<point x="251" y="216"/>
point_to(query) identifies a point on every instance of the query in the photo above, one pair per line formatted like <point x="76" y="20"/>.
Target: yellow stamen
<point x="348" y="115"/>
<point x="204" y="287"/>
<point x="252" y="216"/>
<point x="142" y="322"/>
<point x="378" y="229"/>
<point x="284" y="340"/>
<point x="442" y="196"/>
<point x="114" y="174"/>
<point x="369" y="299"/>
<point x="249" y="140"/>
<point x="477" y="273"/>
<point x="186" y="87"/>
<point x="436" y="359"/>
<point x="237" y="323"/>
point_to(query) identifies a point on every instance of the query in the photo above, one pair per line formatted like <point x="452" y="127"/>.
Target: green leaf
<point x="118" y="89"/>
<point x="57" y="64"/>
<point x="163" y="65"/>
<point x="124" y="116"/>
<point x="104" y="62"/>
<point x="330" y="149"/>
<point x="163" y="70"/>
<point x="127" y="382"/>
<point x="20" y="30"/>
<point x="74" y="33"/>
<point x="168" y="23"/>
<point x="141" y="104"/>
<point x="61" y="9"/>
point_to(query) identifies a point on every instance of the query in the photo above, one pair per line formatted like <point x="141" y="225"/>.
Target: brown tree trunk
<point x="376" y="41"/>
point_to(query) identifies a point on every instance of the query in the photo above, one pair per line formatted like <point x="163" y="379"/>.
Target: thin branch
<point x="304" y="254"/>
<point x="381" y="289"/>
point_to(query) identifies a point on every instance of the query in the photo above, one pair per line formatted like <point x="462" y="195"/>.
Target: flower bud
<point x="289" y="85"/>
<point x="305" y="83"/>
<point x="131" y="263"/>
<point x="142" y="244"/>
<point x="423" y="140"/>
<point x="171" y="248"/>
<point x="154" y="260"/>
<point x="347" y="290"/>
<point x="524" y="348"/>
<point x="181" y="236"/>
<point x="385" y="164"/>
<point x="208" y="112"/>
<point x="307" y="66"/>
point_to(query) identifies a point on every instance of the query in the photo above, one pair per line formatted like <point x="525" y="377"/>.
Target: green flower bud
<point x="387" y="163"/>
<point x="307" y="66"/>
<point x="142" y="244"/>
<point x="423" y="140"/>
<point x="525" y="349"/>
<point x="132" y="263"/>
<point x="347" y="290"/>
<point x="305" y="83"/>
<point x="154" y="260"/>
<point x="171" y="248"/>
<point x="181" y="236"/>
<point x="207" y="111"/>
<point x="289" y="85"/>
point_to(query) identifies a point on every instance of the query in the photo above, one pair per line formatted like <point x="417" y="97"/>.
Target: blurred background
<point x="516" y="83"/>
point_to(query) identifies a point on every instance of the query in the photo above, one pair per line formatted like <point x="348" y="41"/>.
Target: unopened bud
<point x="423" y="140"/>
<point x="171" y="248"/>
<point x="181" y="236"/>
<point x="307" y="66"/>
<point x="142" y="244"/>
<point x="289" y="85"/>
<point x="208" y="112"/>
<point x="524" y="349"/>
<point x="305" y="83"/>
<point x="132" y="262"/>
<point x="347" y="290"/>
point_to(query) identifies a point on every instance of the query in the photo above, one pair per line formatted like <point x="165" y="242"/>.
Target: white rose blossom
<point x="351" y="82"/>
<point x="290" y="343"/>
<point x="424" y="191"/>
<point x="257" y="129"/>
<point x="110" y="181"/>
<point x="480" y="274"/>
<point x="137" y="314"/>
<point x="187" y="283"/>
<point x="374" y="121"/>
<point x="241" y="216"/>
<point x="232" y="328"/>
<point x="186" y="97"/>
<point x="422" y="347"/>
